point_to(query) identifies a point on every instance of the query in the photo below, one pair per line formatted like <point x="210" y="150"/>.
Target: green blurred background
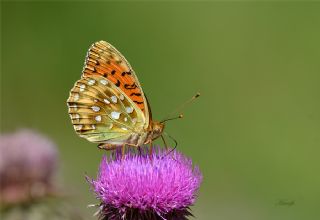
<point x="255" y="130"/>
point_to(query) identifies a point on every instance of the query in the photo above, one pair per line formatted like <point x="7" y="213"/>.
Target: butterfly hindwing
<point x="101" y="112"/>
<point x="106" y="61"/>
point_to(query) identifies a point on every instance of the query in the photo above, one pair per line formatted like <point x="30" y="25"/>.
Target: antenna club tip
<point x="197" y="95"/>
<point x="181" y="116"/>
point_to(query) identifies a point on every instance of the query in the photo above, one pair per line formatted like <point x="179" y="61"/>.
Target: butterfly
<point x="107" y="105"/>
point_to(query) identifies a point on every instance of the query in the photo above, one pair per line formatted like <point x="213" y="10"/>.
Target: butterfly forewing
<point x="102" y="112"/>
<point x="106" y="61"/>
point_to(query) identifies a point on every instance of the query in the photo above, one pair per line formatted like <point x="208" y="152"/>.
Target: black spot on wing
<point x="125" y="73"/>
<point x="135" y="94"/>
<point x="117" y="83"/>
<point x="137" y="102"/>
<point x="113" y="72"/>
<point x="132" y="86"/>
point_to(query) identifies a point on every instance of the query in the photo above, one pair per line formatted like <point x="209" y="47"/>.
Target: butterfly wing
<point x="105" y="60"/>
<point x="101" y="112"/>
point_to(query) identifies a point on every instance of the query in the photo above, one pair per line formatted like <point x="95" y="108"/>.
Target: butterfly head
<point x="158" y="126"/>
<point x="157" y="129"/>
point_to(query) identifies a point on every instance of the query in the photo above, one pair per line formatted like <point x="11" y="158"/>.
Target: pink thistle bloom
<point x="138" y="187"/>
<point x="28" y="163"/>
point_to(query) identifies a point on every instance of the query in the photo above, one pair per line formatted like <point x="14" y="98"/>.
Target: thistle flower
<point x="27" y="165"/>
<point x="140" y="186"/>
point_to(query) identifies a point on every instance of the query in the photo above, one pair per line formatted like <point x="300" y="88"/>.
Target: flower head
<point x="28" y="162"/>
<point x="138" y="186"/>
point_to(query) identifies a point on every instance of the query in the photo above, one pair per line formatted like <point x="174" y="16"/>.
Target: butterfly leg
<point x="123" y="149"/>
<point x="139" y="149"/>
<point x="150" y="149"/>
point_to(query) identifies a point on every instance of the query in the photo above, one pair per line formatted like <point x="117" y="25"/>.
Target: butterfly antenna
<point x="180" y="108"/>
<point x="175" y="146"/>
<point x="169" y="119"/>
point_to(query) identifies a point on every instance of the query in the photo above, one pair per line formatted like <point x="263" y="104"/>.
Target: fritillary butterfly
<point x="107" y="105"/>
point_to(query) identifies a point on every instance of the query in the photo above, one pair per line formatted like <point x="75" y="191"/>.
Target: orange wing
<point x="103" y="59"/>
